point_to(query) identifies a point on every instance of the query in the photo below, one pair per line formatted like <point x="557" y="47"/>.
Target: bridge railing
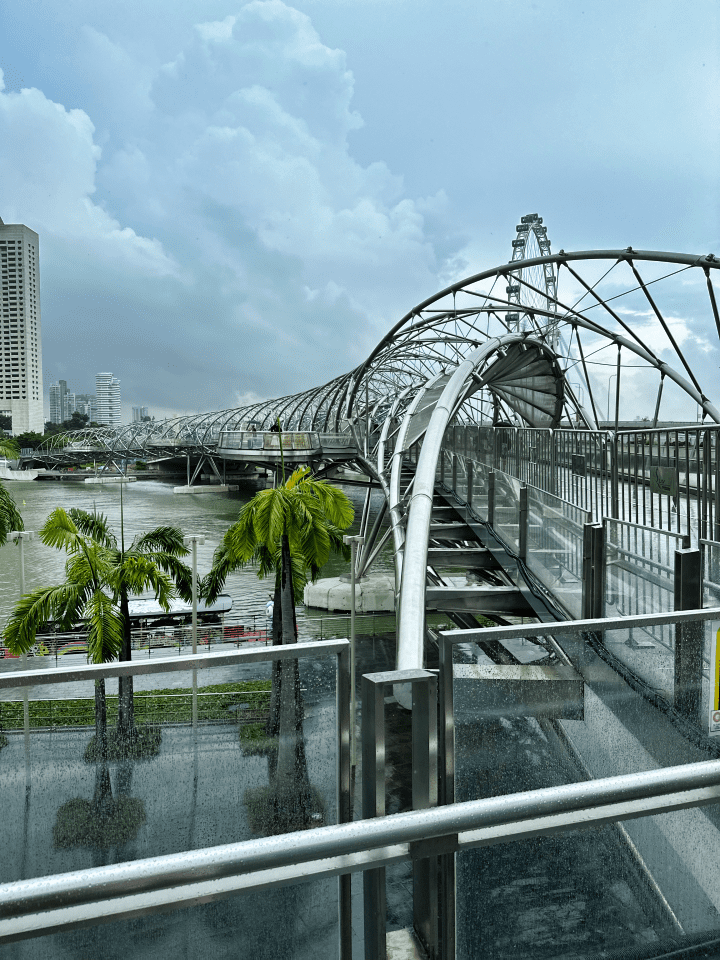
<point x="634" y="765"/>
<point x="666" y="479"/>
<point x="268" y="440"/>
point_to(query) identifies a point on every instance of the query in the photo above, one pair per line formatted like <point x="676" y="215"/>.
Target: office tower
<point x="139" y="414"/>
<point x="107" y="392"/>
<point x="21" y="389"/>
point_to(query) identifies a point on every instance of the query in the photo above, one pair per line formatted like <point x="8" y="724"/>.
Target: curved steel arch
<point x="557" y="323"/>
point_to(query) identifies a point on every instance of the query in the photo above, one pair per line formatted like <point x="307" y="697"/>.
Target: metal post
<point x="424" y="792"/>
<point x="454" y="471"/>
<point x="688" y="637"/>
<point x="599" y="571"/>
<point x="21" y="536"/>
<point x="593" y="571"/>
<point x="425" y="795"/>
<point x="353" y="541"/>
<point x="470" y="473"/>
<point x="344" y="797"/>
<point x="523" y="523"/>
<point x="194" y="539"/>
<point x="491" y="498"/>
<point x="373" y="805"/>
<point x="446" y="760"/>
<point x="614" y="490"/>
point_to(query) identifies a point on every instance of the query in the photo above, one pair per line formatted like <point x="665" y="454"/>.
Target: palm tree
<point x="10" y="519"/>
<point x="135" y="571"/>
<point x="99" y="578"/>
<point x="289" y="532"/>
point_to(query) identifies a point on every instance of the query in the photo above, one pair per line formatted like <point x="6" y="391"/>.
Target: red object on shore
<point x="245" y="634"/>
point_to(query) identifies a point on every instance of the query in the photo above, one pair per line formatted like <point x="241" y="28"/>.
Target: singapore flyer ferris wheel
<point x="532" y="288"/>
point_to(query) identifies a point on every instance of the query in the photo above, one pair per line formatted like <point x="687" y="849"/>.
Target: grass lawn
<point x="245" y="701"/>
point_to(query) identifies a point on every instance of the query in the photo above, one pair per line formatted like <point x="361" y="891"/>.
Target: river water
<point x="147" y="504"/>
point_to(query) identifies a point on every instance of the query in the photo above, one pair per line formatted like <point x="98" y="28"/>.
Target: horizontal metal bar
<point x="201" y="661"/>
<point x="558" y="627"/>
<point x="640" y="526"/>
<point x="191" y="894"/>
<point x="592" y="798"/>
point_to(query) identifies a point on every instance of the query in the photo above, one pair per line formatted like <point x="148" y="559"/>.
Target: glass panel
<point x="582" y="470"/>
<point x="555" y="547"/>
<point x="639" y="888"/>
<point x="485" y="445"/>
<point x="300" y="921"/>
<point x="461" y="482"/>
<point x="171" y="786"/>
<point x="506" y="450"/>
<point x="711" y="573"/>
<point x="640" y="565"/>
<point x="480" y="489"/>
<point x="507" y="508"/>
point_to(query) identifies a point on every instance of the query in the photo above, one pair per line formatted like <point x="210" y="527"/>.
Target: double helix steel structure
<point x="522" y="375"/>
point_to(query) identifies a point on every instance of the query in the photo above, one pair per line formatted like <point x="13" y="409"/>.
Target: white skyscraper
<point x="21" y="385"/>
<point x="107" y="392"/>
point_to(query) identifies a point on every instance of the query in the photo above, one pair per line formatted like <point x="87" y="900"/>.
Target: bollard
<point x="688" y="636"/>
<point x="424" y="793"/>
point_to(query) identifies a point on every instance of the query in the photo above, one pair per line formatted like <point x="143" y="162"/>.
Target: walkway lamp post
<point x="353" y="543"/>
<point x="194" y="539"/>
<point x="20" y="536"/>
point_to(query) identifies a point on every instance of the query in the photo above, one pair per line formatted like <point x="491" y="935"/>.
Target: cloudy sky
<point x="235" y="200"/>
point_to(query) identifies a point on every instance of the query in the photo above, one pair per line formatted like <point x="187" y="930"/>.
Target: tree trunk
<point x="101" y="719"/>
<point x="292" y="785"/>
<point x="273" y="724"/>
<point x="103" y="802"/>
<point x="126" y="712"/>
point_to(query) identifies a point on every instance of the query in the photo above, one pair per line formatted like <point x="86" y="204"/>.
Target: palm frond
<point x="179" y="573"/>
<point x="164" y="539"/>
<point x="9" y="448"/>
<point x="36" y="608"/>
<point x="105" y="636"/>
<point x="93" y="525"/>
<point x="10" y="518"/>
<point x="59" y="531"/>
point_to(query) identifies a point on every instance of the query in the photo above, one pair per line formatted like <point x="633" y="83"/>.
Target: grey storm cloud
<point x="237" y="200"/>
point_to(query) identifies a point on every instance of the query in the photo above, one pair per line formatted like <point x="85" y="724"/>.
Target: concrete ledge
<point x="208" y="488"/>
<point x="375" y="594"/>
<point x="102" y="480"/>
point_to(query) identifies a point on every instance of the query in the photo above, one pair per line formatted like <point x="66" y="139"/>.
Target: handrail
<point x="596" y="625"/>
<point x="100" y="894"/>
<point x="201" y="661"/>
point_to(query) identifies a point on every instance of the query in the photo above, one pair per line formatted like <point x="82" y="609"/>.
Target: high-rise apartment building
<point x="86" y="404"/>
<point x="58" y="401"/>
<point x="21" y="385"/>
<point x="139" y="414"/>
<point x="107" y="393"/>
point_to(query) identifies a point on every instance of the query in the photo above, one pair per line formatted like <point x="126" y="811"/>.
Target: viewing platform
<point x="296" y="446"/>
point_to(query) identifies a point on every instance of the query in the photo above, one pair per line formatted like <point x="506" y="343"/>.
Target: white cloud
<point x="217" y="213"/>
<point x="48" y="159"/>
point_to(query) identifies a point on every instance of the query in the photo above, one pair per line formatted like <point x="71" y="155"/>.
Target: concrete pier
<point x="373" y="594"/>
